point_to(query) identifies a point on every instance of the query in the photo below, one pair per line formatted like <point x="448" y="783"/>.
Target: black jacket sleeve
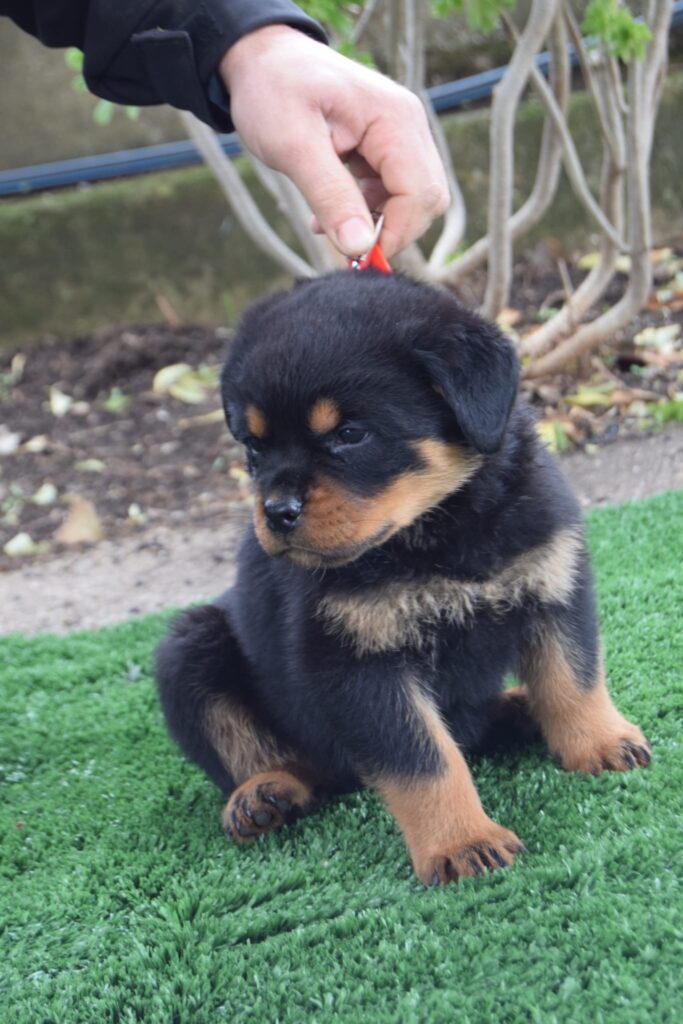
<point x="143" y="53"/>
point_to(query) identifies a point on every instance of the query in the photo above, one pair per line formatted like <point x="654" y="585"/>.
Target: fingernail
<point x="355" y="236"/>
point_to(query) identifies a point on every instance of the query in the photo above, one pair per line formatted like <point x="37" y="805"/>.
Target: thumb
<point x="331" y="191"/>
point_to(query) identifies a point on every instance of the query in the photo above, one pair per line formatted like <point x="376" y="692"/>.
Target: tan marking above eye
<point x="256" y="421"/>
<point x="324" y="416"/>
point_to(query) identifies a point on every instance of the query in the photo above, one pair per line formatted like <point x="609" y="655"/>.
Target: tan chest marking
<point x="398" y="614"/>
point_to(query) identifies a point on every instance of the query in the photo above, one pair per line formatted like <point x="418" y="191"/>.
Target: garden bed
<point x="97" y="443"/>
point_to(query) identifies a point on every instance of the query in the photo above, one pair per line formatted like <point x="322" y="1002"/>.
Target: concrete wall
<point x="44" y="119"/>
<point x="73" y="260"/>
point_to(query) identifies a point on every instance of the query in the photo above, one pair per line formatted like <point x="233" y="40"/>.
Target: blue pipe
<point x="169" y="155"/>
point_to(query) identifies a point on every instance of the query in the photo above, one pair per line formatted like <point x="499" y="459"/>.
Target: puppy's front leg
<point x="568" y="696"/>
<point x="427" y="786"/>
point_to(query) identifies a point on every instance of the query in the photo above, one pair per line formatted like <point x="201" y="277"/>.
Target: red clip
<point x="375" y="258"/>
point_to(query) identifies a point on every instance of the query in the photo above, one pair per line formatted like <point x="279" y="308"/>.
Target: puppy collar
<point x="375" y="257"/>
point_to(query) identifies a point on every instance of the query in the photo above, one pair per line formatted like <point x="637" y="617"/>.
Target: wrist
<point x="252" y="46"/>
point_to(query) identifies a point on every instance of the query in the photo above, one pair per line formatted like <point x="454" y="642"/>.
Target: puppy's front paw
<point x="491" y="847"/>
<point x="265" y="802"/>
<point x="617" y="751"/>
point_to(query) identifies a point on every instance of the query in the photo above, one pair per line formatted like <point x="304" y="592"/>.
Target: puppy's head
<point x="363" y="401"/>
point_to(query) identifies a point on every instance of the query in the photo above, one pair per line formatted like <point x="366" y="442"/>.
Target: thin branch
<point x="587" y="69"/>
<point x="364" y="21"/>
<point x="294" y="207"/>
<point x="245" y="209"/>
<point x="547" y="172"/>
<point x="411" y="261"/>
<point x="572" y="161"/>
<point x="611" y="196"/>
<point x="643" y="81"/>
<point x="412" y="46"/>
<point x="618" y="86"/>
<point x="393" y="21"/>
<point x="505" y="101"/>
<point x="455" y="218"/>
<point x="593" y="286"/>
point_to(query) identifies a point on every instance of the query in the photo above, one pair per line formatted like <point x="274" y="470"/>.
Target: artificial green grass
<point x="121" y="901"/>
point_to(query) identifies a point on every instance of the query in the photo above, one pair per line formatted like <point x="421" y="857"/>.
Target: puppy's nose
<point x="282" y="514"/>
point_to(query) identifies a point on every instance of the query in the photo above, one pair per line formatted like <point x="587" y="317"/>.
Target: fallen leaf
<point x="186" y="384"/>
<point x="9" y="440"/>
<point x="238" y="473"/>
<point x="588" y="261"/>
<point x="82" y="525"/>
<point x="556" y="434"/>
<point x="660" y="338"/>
<point x="216" y="416"/>
<point x="188" y="390"/>
<point x="639" y="408"/>
<point x="37" y="444"/>
<point x="45" y="495"/>
<point x="136" y="515"/>
<point x="90" y="466"/>
<point x="196" y="386"/>
<point x="59" y="402"/>
<point x="117" y="401"/>
<point x="20" y="544"/>
<point x="16" y="370"/>
<point x="168" y="375"/>
<point x="591" y="260"/>
<point x="592" y="397"/>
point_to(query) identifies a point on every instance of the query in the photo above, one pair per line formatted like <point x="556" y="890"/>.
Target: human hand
<point x="349" y="138"/>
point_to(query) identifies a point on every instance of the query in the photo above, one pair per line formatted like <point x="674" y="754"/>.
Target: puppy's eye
<point x="254" y="445"/>
<point x="350" y="435"/>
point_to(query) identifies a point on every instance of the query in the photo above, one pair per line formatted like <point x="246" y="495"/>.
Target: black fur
<point x="405" y="363"/>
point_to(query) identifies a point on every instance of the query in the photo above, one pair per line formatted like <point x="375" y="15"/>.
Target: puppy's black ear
<point x="228" y="396"/>
<point x="475" y="368"/>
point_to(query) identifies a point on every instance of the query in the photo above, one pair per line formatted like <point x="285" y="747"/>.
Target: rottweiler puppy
<point x="413" y="544"/>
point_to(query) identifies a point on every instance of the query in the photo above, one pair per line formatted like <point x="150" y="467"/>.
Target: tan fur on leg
<point x="447" y="831"/>
<point x="243" y="745"/>
<point x="581" y="725"/>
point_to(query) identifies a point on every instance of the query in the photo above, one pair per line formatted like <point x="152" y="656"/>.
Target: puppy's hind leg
<point x="204" y="685"/>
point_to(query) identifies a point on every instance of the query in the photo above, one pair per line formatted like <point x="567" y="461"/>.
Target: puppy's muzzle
<point x="283" y="514"/>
